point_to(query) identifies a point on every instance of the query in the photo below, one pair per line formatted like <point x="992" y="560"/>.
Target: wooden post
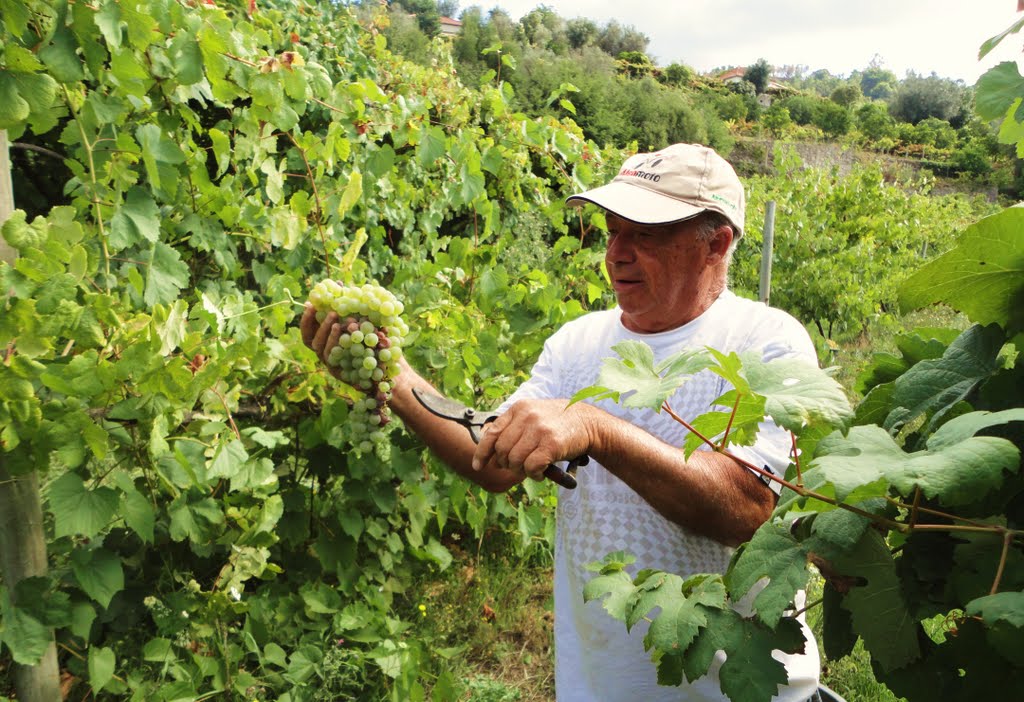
<point x="765" y="287"/>
<point x="22" y="541"/>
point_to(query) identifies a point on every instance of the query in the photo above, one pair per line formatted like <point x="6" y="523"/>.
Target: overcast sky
<point x="940" y="36"/>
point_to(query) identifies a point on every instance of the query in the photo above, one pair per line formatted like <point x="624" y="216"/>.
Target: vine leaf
<point x="994" y="41"/>
<point x="638" y="381"/>
<point x="934" y="386"/>
<point x="101" y="667"/>
<point x="750" y="672"/>
<point x="797" y="394"/>
<point x="982" y="276"/>
<point x="682" y="607"/>
<point x="137" y="220"/>
<point x="879" y="612"/>
<point x="773" y="554"/>
<point x="25" y="636"/>
<point x="99" y="573"/>
<point x="614" y="582"/>
<point x="957" y="474"/>
<point x="168" y="274"/>
<point x="966" y="425"/>
<point x="78" y="510"/>
<point x="999" y="90"/>
<point x="1003" y="617"/>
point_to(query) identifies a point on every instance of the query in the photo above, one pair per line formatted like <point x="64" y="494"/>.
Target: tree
<point x="615" y="38"/>
<point x="730" y="106"/>
<point x="448" y="8"/>
<point x="677" y="74"/>
<point x="801" y="108"/>
<point x="426" y="13"/>
<point x="581" y="32"/>
<point x="832" y="119"/>
<point x="878" y="83"/>
<point x="918" y="98"/>
<point x="821" y="81"/>
<point x="932" y="131"/>
<point x="544" y="29"/>
<point x="776" y="119"/>
<point x="846" y="94"/>
<point x="874" y="121"/>
<point x="759" y="75"/>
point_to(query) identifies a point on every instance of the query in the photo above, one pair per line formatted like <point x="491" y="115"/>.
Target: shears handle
<point x="566" y="478"/>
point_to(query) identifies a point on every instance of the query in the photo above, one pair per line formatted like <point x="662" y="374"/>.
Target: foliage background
<point x="210" y="530"/>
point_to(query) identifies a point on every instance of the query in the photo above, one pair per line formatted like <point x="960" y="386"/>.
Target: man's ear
<point x="720" y="241"/>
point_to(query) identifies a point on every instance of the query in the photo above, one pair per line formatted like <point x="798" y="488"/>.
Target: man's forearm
<point x="448" y="440"/>
<point x="710" y="493"/>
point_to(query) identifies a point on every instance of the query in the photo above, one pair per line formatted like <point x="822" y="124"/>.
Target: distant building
<point x="773" y="89"/>
<point x="733" y="75"/>
<point x="450" y="27"/>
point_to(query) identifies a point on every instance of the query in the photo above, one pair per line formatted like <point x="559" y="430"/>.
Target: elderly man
<point x="674" y="218"/>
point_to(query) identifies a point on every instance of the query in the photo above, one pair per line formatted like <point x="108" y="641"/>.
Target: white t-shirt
<point x="596" y="660"/>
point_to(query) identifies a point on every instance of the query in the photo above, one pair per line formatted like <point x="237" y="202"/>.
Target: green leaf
<point x="957" y="474"/>
<point x="194" y="520"/>
<point x="750" y="672"/>
<point x="137" y="512"/>
<point x="157" y="149"/>
<point x="61" y="58"/>
<point x="775" y="554"/>
<point x="108" y="19"/>
<point x="25" y="636"/>
<point x="639" y="382"/>
<point x="188" y="59"/>
<point x="228" y="460"/>
<point x="982" y="276"/>
<point x="879" y="611"/>
<point x="797" y="394"/>
<point x="1002" y="607"/>
<point x="79" y="511"/>
<point x="166" y="275"/>
<point x="934" y="386"/>
<point x="433" y="146"/>
<point x="682" y="608"/>
<point x="137" y="220"/>
<point x="14" y="109"/>
<point x="966" y="425"/>
<point x="352" y="193"/>
<point x="101" y="667"/>
<point x="618" y="587"/>
<point x="997" y="89"/>
<point x="992" y="43"/>
<point x="99" y="573"/>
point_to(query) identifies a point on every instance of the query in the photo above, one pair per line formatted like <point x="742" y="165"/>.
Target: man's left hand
<point x="533" y="434"/>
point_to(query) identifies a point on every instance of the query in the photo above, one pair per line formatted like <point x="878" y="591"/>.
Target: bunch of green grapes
<point x="367" y="353"/>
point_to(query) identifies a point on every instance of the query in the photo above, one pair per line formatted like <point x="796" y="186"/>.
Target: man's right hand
<point x="321" y="337"/>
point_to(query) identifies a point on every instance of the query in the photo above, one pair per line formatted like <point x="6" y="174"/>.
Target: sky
<point x="924" y="36"/>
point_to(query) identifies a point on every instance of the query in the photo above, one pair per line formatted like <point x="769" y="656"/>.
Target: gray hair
<point x="708" y="222"/>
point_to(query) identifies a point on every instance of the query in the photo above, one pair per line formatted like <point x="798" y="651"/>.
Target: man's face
<point x="662" y="275"/>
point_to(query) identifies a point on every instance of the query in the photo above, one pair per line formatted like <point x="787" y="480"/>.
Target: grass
<point x="494" y="611"/>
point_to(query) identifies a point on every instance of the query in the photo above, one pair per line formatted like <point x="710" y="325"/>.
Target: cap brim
<point x="636" y="204"/>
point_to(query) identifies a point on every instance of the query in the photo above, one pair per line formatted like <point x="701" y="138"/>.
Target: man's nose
<point x="620" y="248"/>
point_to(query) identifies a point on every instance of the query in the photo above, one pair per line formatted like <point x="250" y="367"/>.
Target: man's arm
<point x="447" y="439"/>
<point x="710" y="493"/>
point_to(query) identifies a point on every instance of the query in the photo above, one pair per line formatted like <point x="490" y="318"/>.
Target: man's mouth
<point x="622" y="284"/>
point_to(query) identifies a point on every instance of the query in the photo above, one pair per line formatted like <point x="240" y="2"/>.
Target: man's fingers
<point x="319" y="343"/>
<point x="485" y="449"/>
<point x="308" y="325"/>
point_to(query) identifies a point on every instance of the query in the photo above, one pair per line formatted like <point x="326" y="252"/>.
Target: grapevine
<point x="368" y="351"/>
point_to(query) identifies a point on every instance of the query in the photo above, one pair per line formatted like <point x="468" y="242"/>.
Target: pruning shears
<point x="474" y="421"/>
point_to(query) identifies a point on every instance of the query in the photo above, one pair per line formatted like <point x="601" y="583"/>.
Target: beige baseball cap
<point x="676" y="183"/>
